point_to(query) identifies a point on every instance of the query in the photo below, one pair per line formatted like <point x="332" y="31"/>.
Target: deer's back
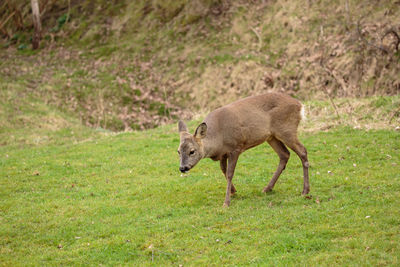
<point x="251" y="121"/>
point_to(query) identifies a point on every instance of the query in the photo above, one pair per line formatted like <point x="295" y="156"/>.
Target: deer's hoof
<point x="305" y="191"/>
<point x="267" y="189"/>
<point x="226" y="205"/>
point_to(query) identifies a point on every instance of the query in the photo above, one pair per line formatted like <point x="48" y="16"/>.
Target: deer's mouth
<point x="184" y="169"/>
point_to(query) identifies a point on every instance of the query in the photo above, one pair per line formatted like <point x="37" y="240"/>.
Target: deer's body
<point x="232" y="129"/>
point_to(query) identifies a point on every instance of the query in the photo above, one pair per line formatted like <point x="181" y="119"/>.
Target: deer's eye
<point x="191" y="152"/>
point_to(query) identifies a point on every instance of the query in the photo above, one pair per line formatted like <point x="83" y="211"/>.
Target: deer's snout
<point x="184" y="168"/>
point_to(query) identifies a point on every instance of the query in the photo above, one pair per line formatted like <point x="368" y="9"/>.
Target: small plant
<point x="60" y="23"/>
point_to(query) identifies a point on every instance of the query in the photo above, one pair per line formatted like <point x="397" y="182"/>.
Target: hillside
<point x="125" y="65"/>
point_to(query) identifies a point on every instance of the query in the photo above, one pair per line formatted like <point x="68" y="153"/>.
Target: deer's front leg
<point x="223" y="165"/>
<point x="232" y="160"/>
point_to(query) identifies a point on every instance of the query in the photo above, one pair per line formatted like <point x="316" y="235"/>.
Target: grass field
<point x="120" y="200"/>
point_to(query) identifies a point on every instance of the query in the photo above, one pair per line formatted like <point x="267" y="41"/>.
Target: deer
<point x="232" y="129"/>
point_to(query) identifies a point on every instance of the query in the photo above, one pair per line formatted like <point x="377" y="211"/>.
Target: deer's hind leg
<point x="284" y="155"/>
<point x="301" y="151"/>
<point x="223" y="164"/>
<point x="294" y="144"/>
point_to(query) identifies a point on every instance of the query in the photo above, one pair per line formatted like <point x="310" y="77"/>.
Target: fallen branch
<point x="394" y="33"/>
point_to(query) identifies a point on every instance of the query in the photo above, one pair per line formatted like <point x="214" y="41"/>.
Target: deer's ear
<point x="182" y="127"/>
<point x="201" y="131"/>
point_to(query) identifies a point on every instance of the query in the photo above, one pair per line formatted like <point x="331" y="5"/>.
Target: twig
<point x="167" y="111"/>
<point x="4" y="23"/>
<point x="259" y="38"/>
<point x="18" y="18"/>
<point x="69" y="11"/>
<point x="321" y="62"/>
<point x="333" y="103"/>
<point x="43" y="7"/>
<point x="347" y="9"/>
<point x="3" y="7"/>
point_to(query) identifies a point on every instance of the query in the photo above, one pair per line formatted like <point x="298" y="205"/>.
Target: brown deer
<point x="232" y="129"/>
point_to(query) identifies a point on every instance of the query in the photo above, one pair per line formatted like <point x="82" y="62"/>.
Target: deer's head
<point x="191" y="149"/>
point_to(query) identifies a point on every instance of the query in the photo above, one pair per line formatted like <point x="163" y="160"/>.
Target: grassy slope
<point x="121" y="200"/>
<point x="27" y="120"/>
<point x="140" y="64"/>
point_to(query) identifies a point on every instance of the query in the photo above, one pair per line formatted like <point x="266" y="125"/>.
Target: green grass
<point x="120" y="200"/>
<point x="26" y="121"/>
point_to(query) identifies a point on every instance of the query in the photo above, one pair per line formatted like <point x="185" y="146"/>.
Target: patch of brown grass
<point x="359" y="113"/>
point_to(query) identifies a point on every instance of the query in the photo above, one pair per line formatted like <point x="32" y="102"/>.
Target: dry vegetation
<point x="133" y="65"/>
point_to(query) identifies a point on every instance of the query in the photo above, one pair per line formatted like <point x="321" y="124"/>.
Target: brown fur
<point x="232" y="129"/>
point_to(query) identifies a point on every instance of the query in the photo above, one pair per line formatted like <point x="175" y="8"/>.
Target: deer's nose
<point x="184" y="169"/>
